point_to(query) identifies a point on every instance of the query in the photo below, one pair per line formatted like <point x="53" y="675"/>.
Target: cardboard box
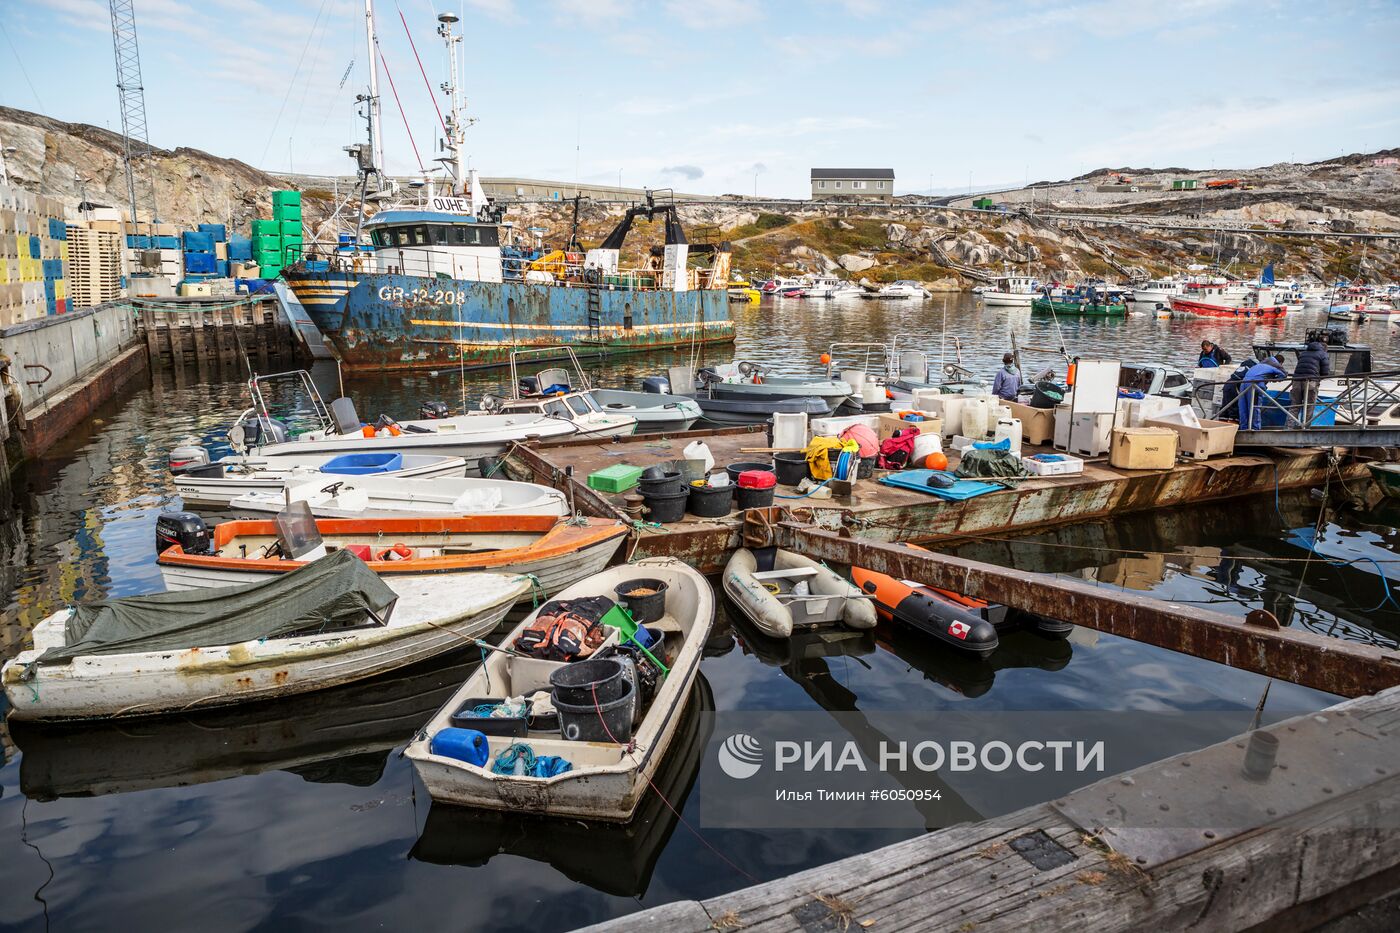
<point x="1212" y="438"/>
<point x="1143" y="448"/>
<point x="890" y="423"/>
<point x="1037" y="424"/>
<point x="195" y="290"/>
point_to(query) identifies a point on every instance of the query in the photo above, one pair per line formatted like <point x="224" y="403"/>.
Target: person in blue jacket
<point x="1252" y="397"/>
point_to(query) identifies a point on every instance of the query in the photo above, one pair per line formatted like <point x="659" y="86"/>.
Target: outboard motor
<point x="658" y="385"/>
<point x="187" y="456"/>
<point x="258" y="434"/>
<point x="530" y="385"/>
<point x="432" y="410"/>
<point x="183" y="528"/>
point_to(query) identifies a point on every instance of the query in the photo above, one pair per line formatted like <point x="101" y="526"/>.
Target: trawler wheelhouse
<point x="430" y="243"/>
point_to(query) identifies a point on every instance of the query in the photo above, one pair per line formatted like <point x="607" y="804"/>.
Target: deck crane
<point x="132" y="94"/>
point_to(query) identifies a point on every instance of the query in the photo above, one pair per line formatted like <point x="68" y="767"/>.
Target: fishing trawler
<point x="431" y="284"/>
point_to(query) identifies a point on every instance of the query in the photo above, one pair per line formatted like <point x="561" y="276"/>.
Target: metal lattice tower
<point x="133" y="98"/>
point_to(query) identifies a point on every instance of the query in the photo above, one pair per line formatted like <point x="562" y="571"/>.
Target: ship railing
<point x="1307" y="410"/>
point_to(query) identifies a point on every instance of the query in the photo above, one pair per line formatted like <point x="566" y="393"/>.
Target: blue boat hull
<point x="389" y="322"/>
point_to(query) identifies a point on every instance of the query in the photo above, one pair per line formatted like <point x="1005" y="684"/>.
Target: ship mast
<point x="376" y="135"/>
<point x="457" y="122"/>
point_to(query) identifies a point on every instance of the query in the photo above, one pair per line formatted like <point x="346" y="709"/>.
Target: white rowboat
<point x="354" y="496"/>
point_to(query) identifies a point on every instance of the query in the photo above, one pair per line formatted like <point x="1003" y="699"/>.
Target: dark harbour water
<point x="301" y="815"/>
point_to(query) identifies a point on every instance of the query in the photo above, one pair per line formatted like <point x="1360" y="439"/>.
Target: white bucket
<point x="790" y="429"/>
<point x="855" y="378"/>
<point x="924" y="445"/>
<point x="872" y="392"/>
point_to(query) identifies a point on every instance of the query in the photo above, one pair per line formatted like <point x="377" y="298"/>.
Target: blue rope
<point x="505" y="762"/>
<point x="803" y="495"/>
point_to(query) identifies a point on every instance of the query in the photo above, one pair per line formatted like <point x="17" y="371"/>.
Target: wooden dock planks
<point x="232" y="338"/>
<point x="1320" y="858"/>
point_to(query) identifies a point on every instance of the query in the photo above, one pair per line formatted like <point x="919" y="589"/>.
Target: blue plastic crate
<point x="221" y="268"/>
<point x="34" y="247"/>
<point x="240" y="249"/>
<point x="138" y="242"/>
<point x="198" y="241"/>
<point x="217" y="231"/>
<point x="200" y="263"/>
<point x="165" y="242"/>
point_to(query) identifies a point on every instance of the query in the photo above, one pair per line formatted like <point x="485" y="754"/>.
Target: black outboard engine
<point x="530" y="385"/>
<point x="183" y="528"/>
<point x="658" y="385"/>
<point x="432" y="410"/>
<point x="256" y="433"/>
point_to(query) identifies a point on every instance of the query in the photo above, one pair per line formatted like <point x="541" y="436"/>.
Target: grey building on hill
<point x="861" y="184"/>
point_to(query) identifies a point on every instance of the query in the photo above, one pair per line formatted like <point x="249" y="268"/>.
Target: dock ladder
<point x="595" y="313"/>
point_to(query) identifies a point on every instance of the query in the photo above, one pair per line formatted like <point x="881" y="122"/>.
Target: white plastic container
<point x="1009" y="428"/>
<point x="698" y="450"/>
<point x="961" y="443"/>
<point x="872" y="392"/>
<point x="926" y="444"/>
<point x="719" y="479"/>
<point x="832" y="427"/>
<point x="855" y="378"/>
<point x="974" y="418"/>
<point x="924" y="397"/>
<point x="790" y="429"/>
<point x="1067" y="466"/>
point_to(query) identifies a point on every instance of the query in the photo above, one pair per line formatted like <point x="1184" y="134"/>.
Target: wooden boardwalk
<point x="1191" y="842"/>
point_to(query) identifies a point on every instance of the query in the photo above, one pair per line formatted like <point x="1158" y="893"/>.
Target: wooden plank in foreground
<point x="1037" y="869"/>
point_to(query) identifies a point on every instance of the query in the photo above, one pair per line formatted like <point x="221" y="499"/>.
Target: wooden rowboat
<point x="606" y="781"/>
<point x="556" y="553"/>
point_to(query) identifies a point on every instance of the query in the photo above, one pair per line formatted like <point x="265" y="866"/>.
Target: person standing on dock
<point x="1007" y="384"/>
<point x="1252" y="392"/>
<point x="1313" y="365"/>
<point x="1212" y="354"/>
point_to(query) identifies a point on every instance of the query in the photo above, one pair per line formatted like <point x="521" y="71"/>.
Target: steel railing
<point x="1356" y="402"/>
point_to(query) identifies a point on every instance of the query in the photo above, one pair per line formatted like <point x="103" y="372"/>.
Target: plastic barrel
<point x="666" y="507"/>
<point x="580" y="682"/>
<point x="601" y="722"/>
<point x="709" y="501"/>
<point x="734" y="469"/>
<point x="790" y="468"/>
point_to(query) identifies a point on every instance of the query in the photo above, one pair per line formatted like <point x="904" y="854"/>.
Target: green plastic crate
<point x="266" y="271"/>
<point x="291" y="228"/>
<point x="266" y="228"/>
<point x="286" y="212"/>
<point x="617" y="478"/>
<point x="265" y="244"/>
<point x="286" y="197"/>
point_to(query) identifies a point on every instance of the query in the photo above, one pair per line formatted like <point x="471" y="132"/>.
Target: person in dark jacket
<point x="1212" y="354"/>
<point x="1230" y="393"/>
<point x="1313" y="364"/>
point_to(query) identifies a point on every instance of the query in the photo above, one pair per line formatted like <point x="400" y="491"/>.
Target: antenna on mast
<point x="456" y="120"/>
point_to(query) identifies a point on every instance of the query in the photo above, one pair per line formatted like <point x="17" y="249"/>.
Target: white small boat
<point x="340" y="430"/>
<point x="557" y="393"/>
<point x="216" y="484"/>
<point x="750" y="381"/>
<point x="654" y="411"/>
<point x="904" y="288"/>
<point x="334" y="623"/>
<point x="779" y="591"/>
<point x="1158" y="291"/>
<point x="355" y="496"/>
<point x="606" y="781"/>
<point x="1012" y="290"/>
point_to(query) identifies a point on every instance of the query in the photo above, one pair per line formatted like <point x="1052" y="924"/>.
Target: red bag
<point x="897" y="450"/>
<point x="566" y="629"/>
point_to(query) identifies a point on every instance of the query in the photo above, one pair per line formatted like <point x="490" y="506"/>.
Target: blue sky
<point x="707" y="95"/>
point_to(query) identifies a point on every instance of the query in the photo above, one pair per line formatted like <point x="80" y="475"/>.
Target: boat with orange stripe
<point x="961" y="622"/>
<point x="556" y="552"/>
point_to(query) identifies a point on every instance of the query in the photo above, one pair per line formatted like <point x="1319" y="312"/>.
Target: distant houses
<point x="857" y="184"/>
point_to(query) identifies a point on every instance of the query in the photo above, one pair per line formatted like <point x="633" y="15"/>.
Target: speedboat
<point x="557" y="393"/>
<point x="339" y="429"/>
<point x="329" y="623"/>
<point x="1157" y="291"/>
<point x="598" y="774"/>
<point x="828" y="286"/>
<point x="655" y="412"/>
<point x="556" y="552"/>
<point x="732" y="410"/>
<point x="904" y="288"/>
<point x="202" y="483"/>
<point x="780" y="284"/>
<point x="375" y="496"/>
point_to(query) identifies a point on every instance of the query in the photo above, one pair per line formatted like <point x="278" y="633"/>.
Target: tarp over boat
<point x="335" y="590"/>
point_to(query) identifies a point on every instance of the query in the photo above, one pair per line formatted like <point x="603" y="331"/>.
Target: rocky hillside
<point x="71" y="161"/>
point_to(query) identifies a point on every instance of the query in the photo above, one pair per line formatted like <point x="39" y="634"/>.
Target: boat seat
<point x="347" y="421"/>
<point x="791" y="573"/>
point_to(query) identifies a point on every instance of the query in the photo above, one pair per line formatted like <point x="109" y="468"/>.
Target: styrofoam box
<point x="832" y="427"/>
<point x="1066" y="467"/>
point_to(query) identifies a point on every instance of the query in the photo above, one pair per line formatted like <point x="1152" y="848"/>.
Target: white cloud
<point x="503" y="11"/>
<point x="713" y="14"/>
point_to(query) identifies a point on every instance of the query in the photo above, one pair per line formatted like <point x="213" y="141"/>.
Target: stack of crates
<point x="94" y="264"/>
<point x="286" y="214"/>
<point x="220" y="235"/>
<point x="240" y="258"/>
<point x="143" y="236"/>
<point x="200" y="261"/>
<point x="33" y="279"/>
<point x="267" y="247"/>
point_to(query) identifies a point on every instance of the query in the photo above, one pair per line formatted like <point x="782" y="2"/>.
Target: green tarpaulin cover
<point x="337" y="589"/>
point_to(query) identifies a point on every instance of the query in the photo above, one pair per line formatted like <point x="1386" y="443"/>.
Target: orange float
<point x="936" y="461"/>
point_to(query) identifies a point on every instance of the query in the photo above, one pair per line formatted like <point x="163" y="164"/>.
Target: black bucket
<point x="710" y="501"/>
<point x="734" y="469"/>
<point x="755" y="498"/>
<point x="605" y="721"/>
<point x="666" y="507"/>
<point x="665" y="484"/>
<point x="791" y="469"/>
<point x="579" y="681"/>
<point x="644" y="607"/>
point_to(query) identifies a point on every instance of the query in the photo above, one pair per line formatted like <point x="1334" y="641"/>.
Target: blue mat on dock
<point x="917" y="481"/>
